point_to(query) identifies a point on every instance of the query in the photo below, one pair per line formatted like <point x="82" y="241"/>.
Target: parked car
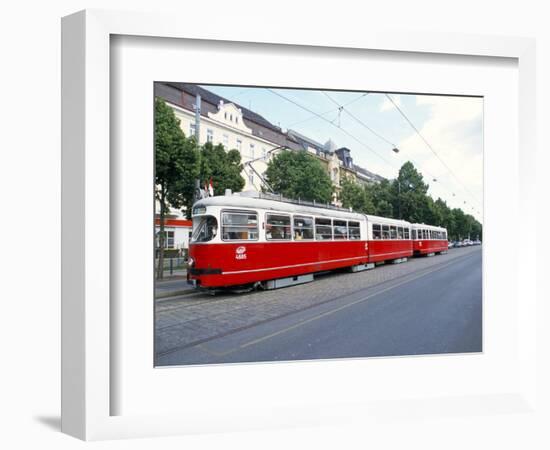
<point x="458" y="244"/>
<point x="451" y="244"/>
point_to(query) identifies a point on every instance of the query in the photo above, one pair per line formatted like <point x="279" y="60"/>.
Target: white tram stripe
<point x="308" y="264"/>
<point x="294" y="265"/>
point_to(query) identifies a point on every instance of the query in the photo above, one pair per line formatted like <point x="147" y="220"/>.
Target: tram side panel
<point x="229" y="264"/>
<point x="424" y="247"/>
<point x="382" y="250"/>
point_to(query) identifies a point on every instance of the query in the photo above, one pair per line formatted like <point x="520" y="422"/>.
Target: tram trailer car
<point x="240" y="240"/>
<point x="429" y="240"/>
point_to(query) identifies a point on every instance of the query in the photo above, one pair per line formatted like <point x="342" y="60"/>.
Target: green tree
<point x="176" y="167"/>
<point x="224" y="168"/>
<point x="352" y="195"/>
<point x="382" y="198"/>
<point x="299" y="175"/>
<point x="409" y="193"/>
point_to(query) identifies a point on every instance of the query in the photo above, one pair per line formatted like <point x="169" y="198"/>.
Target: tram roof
<point x="238" y="201"/>
<point x="428" y="227"/>
<point x="253" y="202"/>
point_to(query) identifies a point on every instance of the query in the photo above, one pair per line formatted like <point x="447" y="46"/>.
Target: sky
<point x="449" y="154"/>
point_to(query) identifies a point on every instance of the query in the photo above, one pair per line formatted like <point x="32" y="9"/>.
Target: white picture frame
<point x="87" y="325"/>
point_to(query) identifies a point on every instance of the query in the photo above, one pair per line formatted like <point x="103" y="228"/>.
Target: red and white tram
<point x="429" y="240"/>
<point x="242" y="240"/>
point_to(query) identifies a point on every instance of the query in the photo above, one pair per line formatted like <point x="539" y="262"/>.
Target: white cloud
<point x="454" y="130"/>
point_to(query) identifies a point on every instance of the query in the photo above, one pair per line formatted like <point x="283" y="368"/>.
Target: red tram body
<point x="428" y="239"/>
<point x="241" y="240"/>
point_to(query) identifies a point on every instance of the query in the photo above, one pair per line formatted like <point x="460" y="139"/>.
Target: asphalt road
<point x="433" y="305"/>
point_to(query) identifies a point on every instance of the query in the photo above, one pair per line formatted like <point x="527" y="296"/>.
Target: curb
<point x="180" y="292"/>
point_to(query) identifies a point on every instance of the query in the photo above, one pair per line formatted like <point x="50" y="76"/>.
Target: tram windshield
<point x="205" y="228"/>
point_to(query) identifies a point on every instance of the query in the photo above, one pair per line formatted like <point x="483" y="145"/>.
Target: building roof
<point x="306" y="141"/>
<point x="214" y="99"/>
<point x="367" y="173"/>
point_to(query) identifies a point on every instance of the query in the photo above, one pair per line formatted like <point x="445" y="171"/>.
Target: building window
<point x="192" y="129"/>
<point x="251" y="179"/>
<point x="231" y="117"/>
<point x="252" y="151"/>
<point x="209" y="135"/>
<point x="264" y="153"/>
<point x="225" y="115"/>
<point x="225" y="141"/>
<point x="239" y="145"/>
<point x="168" y="239"/>
<point x="236" y="120"/>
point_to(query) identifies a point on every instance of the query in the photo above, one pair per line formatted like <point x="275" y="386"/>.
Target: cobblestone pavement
<point x="182" y="322"/>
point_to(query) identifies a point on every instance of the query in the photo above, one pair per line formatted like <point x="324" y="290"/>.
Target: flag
<point x="211" y="188"/>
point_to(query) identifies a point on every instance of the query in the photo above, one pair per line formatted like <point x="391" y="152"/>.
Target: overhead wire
<point x="393" y="144"/>
<point x="430" y="147"/>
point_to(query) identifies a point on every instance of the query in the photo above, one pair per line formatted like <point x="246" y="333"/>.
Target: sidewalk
<point x="173" y="285"/>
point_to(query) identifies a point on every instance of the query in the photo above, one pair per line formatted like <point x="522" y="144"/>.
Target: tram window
<point x="323" y="229"/>
<point x="399" y="232"/>
<point x="340" y="229"/>
<point x="354" y="230"/>
<point x="205" y="228"/>
<point x="393" y="232"/>
<point x="239" y="226"/>
<point x="445" y="235"/>
<point x="414" y="234"/>
<point x="406" y="233"/>
<point x="303" y="228"/>
<point x="385" y="232"/>
<point x="277" y="227"/>
<point x="376" y="231"/>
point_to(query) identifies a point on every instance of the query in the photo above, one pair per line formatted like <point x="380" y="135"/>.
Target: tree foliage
<point x="176" y="167"/>
<point x="407" y="198"/>
<point x="223" y="168"/>
<point x="355" y="196"/>
<point x="299" y="175"/>
<point x="176" y="159"/>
